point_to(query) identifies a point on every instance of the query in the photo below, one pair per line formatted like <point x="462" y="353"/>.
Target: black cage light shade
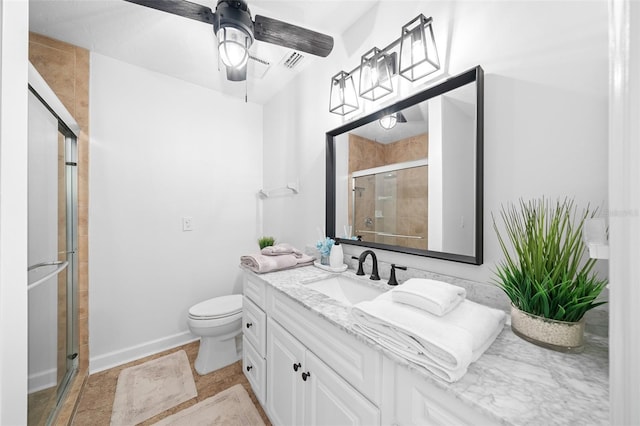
<point x="418" y="53"/>
<point x="343" y="98"/>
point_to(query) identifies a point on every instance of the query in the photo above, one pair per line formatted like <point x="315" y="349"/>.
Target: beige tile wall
<point x="66" y="69"/>
<point x="407" y="215"/>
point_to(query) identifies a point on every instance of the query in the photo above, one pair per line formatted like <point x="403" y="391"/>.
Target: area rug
<point x="231" y="407"/>
<point x="148" y="389"/>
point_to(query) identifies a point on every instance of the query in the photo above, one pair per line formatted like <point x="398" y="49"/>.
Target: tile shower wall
<point x="405" y="211"/>
<point x="66" y="69"/>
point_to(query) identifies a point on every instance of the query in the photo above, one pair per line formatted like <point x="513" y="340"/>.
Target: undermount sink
<point x="344" y="289"/>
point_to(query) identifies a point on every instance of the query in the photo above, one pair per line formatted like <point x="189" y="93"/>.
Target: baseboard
<point x="43" y="380"/>
<point x="116" y="358"/>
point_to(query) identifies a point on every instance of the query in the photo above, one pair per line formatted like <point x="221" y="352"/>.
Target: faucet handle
<point x="392" y="277"/>
<point x="360" y="270"/>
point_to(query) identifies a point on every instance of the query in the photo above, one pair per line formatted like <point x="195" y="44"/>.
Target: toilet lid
<point x="218" y="307"/>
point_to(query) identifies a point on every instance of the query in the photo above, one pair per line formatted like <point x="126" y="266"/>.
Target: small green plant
<point x="546" y="276"/>
<point x="265" y="242"/>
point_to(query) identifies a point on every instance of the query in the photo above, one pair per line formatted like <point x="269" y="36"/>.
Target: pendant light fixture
<point x="343" y="98"/>
<point x="375" y="75"/>
<point x="418" y="58"/>
<point x="418" y="53"/>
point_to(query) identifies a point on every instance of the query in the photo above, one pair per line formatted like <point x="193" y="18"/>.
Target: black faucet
<point x="392" y="278"/>
<point x="363" y="256"/>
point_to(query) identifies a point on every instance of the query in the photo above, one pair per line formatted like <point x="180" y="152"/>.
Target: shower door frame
<point x="70" y="130"/>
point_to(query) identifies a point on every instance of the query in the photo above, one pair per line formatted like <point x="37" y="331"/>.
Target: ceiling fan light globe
<point x="388" y="122"/>
<point x="233" y="46"/>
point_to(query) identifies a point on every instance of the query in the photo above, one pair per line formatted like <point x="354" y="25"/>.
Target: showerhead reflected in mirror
<point x="415" y="186"/>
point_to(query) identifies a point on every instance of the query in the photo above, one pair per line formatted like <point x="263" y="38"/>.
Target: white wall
<point x="546" y="78"/>
<point x="163" y="149"/>
<point x="14" y="25"/>
<point x="459" y="130"/>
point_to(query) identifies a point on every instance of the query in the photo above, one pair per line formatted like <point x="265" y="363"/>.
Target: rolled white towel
<point x="435" y="297"/>
<point x="444" y="345"/>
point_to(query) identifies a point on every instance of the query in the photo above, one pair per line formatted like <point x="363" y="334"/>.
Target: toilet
<point x="218" y="322"/>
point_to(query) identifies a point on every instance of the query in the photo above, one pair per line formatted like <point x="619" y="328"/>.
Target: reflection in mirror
<point x="409" y="178"/>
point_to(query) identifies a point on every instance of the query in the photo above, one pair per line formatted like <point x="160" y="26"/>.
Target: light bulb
<point x="389" y="121"/>
<point x="232" y="46"/>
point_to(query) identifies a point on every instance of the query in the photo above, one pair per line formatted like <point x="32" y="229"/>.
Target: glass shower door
<point x="52" y="245"/>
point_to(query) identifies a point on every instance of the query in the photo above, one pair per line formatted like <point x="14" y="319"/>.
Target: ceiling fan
<point x="236" y="30"/>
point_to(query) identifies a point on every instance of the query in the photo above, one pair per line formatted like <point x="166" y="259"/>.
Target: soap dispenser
<point x="336" y="256"/>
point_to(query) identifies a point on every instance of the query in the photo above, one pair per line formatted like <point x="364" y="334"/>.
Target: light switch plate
<point x="187" y="224"/>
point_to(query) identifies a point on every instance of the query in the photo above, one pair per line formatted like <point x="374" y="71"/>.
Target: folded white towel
<point x="445" y="345"/>
<point x="433" y="296"/>
<point x="279" y="249"/>
<point x="260" y="263"/>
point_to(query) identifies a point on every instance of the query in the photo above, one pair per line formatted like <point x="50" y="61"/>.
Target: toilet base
<point x="215" y="354"/>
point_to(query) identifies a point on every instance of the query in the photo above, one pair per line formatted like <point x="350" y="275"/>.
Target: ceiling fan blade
<point x="183" y="8"/>
<point x="237" y="74"/>
<point x="283" y="34"/>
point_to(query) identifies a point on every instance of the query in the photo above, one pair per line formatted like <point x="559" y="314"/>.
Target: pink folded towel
<point x="260" y="263"/>
<point x="280" y="249"/>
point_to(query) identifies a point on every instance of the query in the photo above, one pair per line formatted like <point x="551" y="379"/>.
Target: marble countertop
<point x="515" y="382"/>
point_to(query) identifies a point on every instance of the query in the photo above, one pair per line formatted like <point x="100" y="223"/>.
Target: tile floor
<point x="40" y="404"/>
<point x="96" y="401"/>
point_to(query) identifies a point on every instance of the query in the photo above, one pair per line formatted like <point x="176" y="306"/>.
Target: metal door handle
<point x="59" y="269"/>
<point x="41" y="264"/>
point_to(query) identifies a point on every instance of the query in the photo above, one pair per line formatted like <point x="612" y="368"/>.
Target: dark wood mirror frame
<point x="474" y="75"/>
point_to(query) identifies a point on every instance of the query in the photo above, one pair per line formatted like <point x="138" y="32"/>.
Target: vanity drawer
<point x="254" y="325"/>
<point x="355" y="362"/>
<point x="255" y="289"/>
<point x="255" y="369"/>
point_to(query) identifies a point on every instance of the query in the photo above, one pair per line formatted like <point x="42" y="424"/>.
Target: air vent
<point x="258" y="67"/>
<point x="292" y="60"/>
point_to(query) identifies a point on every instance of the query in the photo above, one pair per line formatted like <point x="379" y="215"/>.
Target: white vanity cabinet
<point x="415" y="401"/>
<point x="303" y="390"/>
<point x="305" y="370"/>
<point x="254" y="327"/>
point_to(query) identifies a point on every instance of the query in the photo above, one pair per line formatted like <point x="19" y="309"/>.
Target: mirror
<point x="408" y="178"/>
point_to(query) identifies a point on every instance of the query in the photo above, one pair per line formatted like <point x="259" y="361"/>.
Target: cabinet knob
<point x="249" y="367"/>
<point x="305" y="376"/>
<point x="249" y="324"/>
<point x="296" y="366"/>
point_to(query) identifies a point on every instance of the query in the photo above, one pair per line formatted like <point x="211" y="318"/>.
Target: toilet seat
<point x="217" y="308"/>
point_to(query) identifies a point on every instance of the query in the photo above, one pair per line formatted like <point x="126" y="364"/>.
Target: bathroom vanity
<point x="307" y="365"/>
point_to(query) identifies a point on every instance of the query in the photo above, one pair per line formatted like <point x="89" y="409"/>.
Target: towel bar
<point x="291" y="186"/>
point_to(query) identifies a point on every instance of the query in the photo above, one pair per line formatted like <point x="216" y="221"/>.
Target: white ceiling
<point x="184" y="48"/>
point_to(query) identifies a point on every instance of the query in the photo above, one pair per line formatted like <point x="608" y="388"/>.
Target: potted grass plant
<point x="265" y="242"/>
<point x="545" y="274"/>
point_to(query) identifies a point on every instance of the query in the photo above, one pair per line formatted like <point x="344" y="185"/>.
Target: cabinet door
<point x="284" y="385"/>
<point x="421" y="403"/>
<point x="332" y="401"/>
